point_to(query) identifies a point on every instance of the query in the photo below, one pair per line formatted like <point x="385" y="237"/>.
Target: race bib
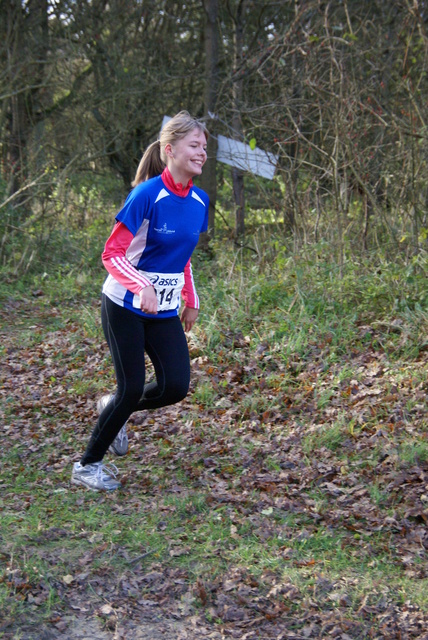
<point x="168" y="288"/>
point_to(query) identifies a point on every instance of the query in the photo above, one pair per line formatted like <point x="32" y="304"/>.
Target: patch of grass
<point x="415" y="452"/>
<point x="329" y="436"/>
<point x="205" y="394"/>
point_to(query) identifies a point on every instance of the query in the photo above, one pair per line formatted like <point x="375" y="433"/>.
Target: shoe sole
<point x="87" y="486"/>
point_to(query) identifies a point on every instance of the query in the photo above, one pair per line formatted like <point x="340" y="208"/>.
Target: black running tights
<point x="129" y="337"/>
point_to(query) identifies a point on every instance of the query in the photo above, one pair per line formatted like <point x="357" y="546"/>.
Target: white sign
<point x="240" y="155"/>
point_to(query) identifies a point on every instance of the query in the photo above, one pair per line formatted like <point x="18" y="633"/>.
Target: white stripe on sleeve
<point x="129" y="271"/>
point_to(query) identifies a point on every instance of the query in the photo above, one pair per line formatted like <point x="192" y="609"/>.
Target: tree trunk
<point x="239" y="195"/>
<point x="237" y="92"/>
<point x="26" y="42"/>
<point x="209" y="179"/>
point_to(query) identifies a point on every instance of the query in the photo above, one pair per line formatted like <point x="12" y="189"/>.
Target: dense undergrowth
<point x="286" y="497"/>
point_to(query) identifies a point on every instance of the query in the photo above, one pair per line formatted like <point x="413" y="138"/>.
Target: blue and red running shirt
<point x="151" y="243"/>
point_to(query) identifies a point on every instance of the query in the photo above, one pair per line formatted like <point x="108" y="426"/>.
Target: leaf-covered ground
<point x="279" y="500"/>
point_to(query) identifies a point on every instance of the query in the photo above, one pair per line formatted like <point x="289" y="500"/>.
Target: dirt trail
<point x="95" y="629"/>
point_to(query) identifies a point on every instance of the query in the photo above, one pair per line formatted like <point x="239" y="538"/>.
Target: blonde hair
<point x="153" y="161"/>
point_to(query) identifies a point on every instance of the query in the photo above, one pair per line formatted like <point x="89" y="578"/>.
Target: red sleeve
<point x="188" y="292"/>
<point x="117" y="264"/>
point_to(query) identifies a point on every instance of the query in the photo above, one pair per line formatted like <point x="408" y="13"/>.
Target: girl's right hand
<point x="148" y="300"/>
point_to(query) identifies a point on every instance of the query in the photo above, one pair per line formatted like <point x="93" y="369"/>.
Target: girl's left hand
<point x="188" y="317"/>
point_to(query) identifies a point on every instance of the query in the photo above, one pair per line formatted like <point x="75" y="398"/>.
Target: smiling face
<point x="187" y="156"/>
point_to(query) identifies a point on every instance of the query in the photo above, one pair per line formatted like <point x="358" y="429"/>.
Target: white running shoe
<point x="96" y="476"/>
<point x="119" y="446"/>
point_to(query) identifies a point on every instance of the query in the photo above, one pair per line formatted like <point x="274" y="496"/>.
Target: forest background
<point x="287" y="496"/>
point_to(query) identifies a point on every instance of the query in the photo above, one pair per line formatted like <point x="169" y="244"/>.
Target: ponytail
<point x="150" y="165"/>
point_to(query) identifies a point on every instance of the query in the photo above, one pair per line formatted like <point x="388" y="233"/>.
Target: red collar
<point x="173" y="186"/>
